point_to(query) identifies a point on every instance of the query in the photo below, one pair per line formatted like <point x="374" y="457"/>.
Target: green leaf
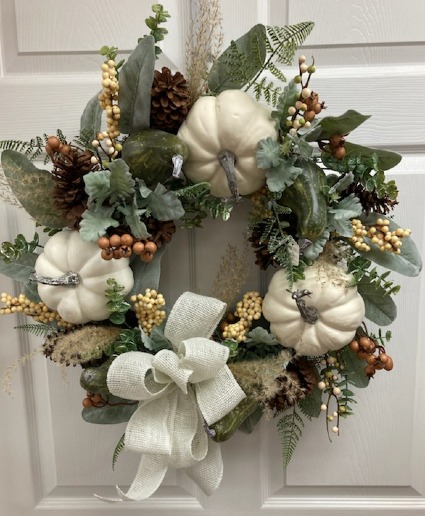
<point x="353" y="368"/>
<point x="310" y="405"/>
<point x="385" y="159"/>
<point x="240" y="62"/>
<point x="158" y="340"/>
<point x="260" y="336"/>
<point x="248" y="425"/>
<point x="122" y="182"/>
<point x="120" y="412"/>
<point x="290" y="430"/>
<point x="136" y="77"/>
<point x="98" y="186"/>
<point x="91" y="119"/>
<point x="286" y="100"/>
<point x="408" y="262"/>
<point x="342" y="124"/>
<point x="21" y="268"/>
<point x="268" y="153"/>
<point x="380" y="307"/>
<point x="132" y="215"/>
<point x="95" y="223"/>
<point x="33" y="188"/>
<point x="164" y="204"/>
<point x="282" y="176"/>
<point x="315" y="248"/>
<point x="146" y="275"/>
<point x="340" y="215"/>
<point x="118" y="449"/>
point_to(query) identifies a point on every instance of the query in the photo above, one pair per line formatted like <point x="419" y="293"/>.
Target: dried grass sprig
<point x="13" y="367"/>
<point x="232" y="274"/>
<point x="203" y="45"/>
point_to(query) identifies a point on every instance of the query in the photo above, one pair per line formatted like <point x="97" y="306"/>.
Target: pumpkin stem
<point x="69" y="279"/>
<point x="177" y="160"/>
<point x="308" y="312"/>
<point x="227" y="161"/>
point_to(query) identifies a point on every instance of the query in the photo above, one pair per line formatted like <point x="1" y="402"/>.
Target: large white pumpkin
<point x="340" y="310"/>
<point x="233" y="121"/>
<point x="66" y="252"/>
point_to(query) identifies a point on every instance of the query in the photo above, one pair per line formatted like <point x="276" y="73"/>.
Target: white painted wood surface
<point x="369" y="56"/>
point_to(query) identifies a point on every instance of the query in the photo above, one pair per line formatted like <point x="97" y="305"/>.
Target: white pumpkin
<point x="233" y="121"/>
<point x="340" y="310"/>
<point x="67" y="252"/>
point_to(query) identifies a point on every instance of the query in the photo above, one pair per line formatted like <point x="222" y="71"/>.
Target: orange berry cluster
<point x="375" y="356"/>
<point x="123" y="246"/>
<point x="38" y="311"/>
<point x="380" y="234"/>
<point x="247" y="311"/>
<point x="55" y="145"/>
<point x="148" y="309"/>
<point x="336" y="146"/>
<point x="94" y="400"/>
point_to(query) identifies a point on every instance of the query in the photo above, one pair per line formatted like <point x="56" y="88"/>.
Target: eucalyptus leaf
<point x="408" y="262"/>
<point x="240" y="62"/>
<point x="136" y="77"/>
<point x="91" y="119"/>
<point x="120" y="412"/>
<point x="380" y="307"/>
<point x="340" y="215"/>
<point x="33" y="188"/>
<point x="353" y="368"/>
<point x="21" y="268"/>
<point x="342" y="124"/>
<point x="384" y="159"/>
<point x="146" y="275"/>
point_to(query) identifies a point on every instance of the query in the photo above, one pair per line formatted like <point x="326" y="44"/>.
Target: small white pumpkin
<point x="232" y="122"/>
<point x="340" y="310"/>
<point x="67" y="252"/>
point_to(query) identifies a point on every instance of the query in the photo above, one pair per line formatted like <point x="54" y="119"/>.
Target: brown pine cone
<point x="370" y="200"/>
<point x="263" y="257"/>
<point x="69" y="194"/>
<point x="170" y="100"/>
<point x="161" y="231"/>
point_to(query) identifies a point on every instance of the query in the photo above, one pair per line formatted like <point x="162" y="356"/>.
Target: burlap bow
<point x="178" y="392"/>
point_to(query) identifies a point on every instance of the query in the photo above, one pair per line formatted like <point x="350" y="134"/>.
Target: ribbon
<point x="178" y="391"/>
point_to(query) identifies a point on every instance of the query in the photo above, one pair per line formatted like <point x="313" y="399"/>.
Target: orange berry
<point x="354" y="346"/>
<point x="125" y="251"/>
<point x="127" y="239"/>
<point x="53" y="142"/>
<point x="115" y="240"/>
<point x="389" y="364"/>
<point x="369" y="370"/>
<point x="107" y="254"/>
<point x="138" y="248"/>
<point x="65" y="149"/>
<point x="117" y="253"/>
<point x="87" y="402"/>
<point x="103" y="243"/>
<point x="339" y="153"/>
<point x="151" y="247"/>
<point x="146" y="256"/>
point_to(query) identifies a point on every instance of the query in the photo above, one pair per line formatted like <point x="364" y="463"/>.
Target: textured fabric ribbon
<point x="178" y="391"/>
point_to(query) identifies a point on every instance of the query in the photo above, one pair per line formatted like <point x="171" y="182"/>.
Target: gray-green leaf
<point x="353" y="368"/>
<point x="98" y="186"/>
<point x="342" y="124"/>
<point x="380" y="307"/>
<point x="33" y="188"/>
<point x="164" y="204"/>
<point x="91" y="119"/>
<point x="122" y="182"/>
<point x="95" y="223"/>
<point x="384" y="159"/>
<point x="282" y="176"/>
<point x="120" y="412"/>
<point x="136" y="77"/>
<point x="146" y="275"/>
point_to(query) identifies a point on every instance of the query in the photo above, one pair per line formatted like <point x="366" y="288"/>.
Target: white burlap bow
<point x="178" y="392"/>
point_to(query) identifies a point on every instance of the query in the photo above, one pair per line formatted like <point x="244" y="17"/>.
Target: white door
<point x="369" y="57"/>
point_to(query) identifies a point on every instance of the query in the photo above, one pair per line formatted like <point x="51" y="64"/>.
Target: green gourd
<point x="149" y="154"/>
<point x="227" y="425"/>
<point x="93" y="379"/>
<point x="307" y="199"/>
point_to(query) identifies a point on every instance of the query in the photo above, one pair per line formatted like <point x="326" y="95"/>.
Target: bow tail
<point x="208" y="472"/>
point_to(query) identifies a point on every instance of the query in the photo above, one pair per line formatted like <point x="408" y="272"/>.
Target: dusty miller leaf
<point x="132" y="215"/>
<point x="95" y="223"/>
<point x="122" y="182"/>
<point x="98" y="186"/>
<point x="164" y="204"/>
<point x="282" y="176"/>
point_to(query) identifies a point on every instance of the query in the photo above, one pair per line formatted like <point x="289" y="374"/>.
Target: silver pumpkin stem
<point x="69" y="279"/>
<point x="177" y="164"/>
<point x="227" y="160"/>
<point x="308" y="313"/>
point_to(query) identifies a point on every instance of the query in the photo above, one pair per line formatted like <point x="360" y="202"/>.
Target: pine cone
<point x="170" y="100"/>
<point x="161" y="231"/>
<point x="69" y="194"/>
<point x="264" y="258"/>
<point x="370" y="200"/>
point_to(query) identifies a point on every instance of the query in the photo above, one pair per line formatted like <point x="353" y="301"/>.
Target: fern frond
<point x="290" y="430"/>
<point x="118" y="449"/>
<point x="39" y="330"/>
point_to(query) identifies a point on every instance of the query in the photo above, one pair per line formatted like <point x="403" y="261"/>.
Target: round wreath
<point x="175" y="151"/>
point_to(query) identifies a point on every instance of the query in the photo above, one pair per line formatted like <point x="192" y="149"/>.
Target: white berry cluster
<point x="247" y="310"/>
<point x="380" y="234"/>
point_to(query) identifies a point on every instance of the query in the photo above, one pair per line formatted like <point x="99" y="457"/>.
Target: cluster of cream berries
<point x="380" y="234"/>
<point x="305" y="109"/>
<point x="247" y="310"/>
<point x="108" y="99"/>
<point x="38" y="311"/>
<point x="149" y="309"/>
<point x="331" y="375"/>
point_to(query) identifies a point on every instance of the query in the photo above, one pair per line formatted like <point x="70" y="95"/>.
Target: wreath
<point x="169" y="152"/>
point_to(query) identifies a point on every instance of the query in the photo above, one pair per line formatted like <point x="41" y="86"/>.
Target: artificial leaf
<point x="311" y="405"/>
<point x="159" y="340"/>
<point x="313" y="250"/>
<point x="353" y="367"/>
<point x="260" y="336"/>
<point x="132" y="215"/>
<point x="136" y="77"/>
<point x="164" y="204"/>
<point x="384" y="159"/>
<point x="304" y="148"/>
<point x="286" y="100"/>
<point x="340" y="215"/>
<point x="341" y="184"/>
<point x="146" y="275"/>
<point x="282" y="176"/>
<point x="21" y="268"/>
<point x="240" y="62"/>
<point x="248" y="425"/>
<point x="117" y="411"/>
<point x="121" y="181"/>
<point x="380" y="307"/>
<point x="95" y="223"/>
<point x="98" y="186"/>
<point x="268" y="153"/>
<point x="33" y="188"/>
<point x="143" y="189"/>
<point x="342" y="124"/>
<point x="91" y="119"/>
<point x="408" y="262"/>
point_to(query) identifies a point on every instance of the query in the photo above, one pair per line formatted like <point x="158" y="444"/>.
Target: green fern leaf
<point x="118" y="449"/>
<point x="39" y="330"/>
<point x="290" y="430"/>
